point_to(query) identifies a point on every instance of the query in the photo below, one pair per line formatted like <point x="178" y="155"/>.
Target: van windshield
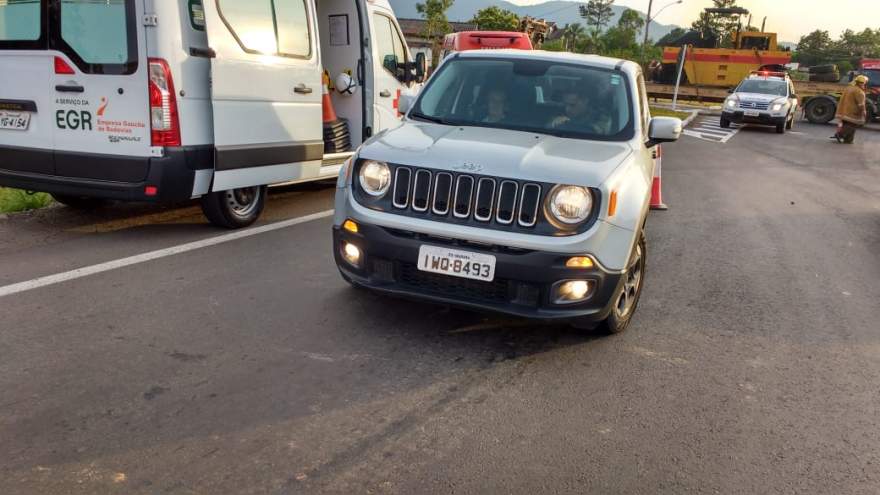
<point x="560" y="99"/>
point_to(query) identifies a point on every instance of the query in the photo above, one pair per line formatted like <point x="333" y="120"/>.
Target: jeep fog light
<point x="573" y="291"/>
<point x="351" y="254"/>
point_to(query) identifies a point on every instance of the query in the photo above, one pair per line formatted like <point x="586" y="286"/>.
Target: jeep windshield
<point x="764" y="87"/>
<point x="544" y="97"/>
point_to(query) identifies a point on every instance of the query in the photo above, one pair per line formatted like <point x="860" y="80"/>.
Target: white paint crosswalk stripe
<point x="709" y="129"/>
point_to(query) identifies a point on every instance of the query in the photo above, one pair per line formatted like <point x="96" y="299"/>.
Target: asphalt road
<point x="250" y="367"/>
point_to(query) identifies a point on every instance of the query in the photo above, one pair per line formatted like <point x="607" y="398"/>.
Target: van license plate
<point x="17" y="121"/>
<point x="455" y="263"/>
<point x="753" y="113"/>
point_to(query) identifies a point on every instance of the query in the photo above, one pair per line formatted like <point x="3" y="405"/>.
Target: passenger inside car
<point x="496" y="105"/>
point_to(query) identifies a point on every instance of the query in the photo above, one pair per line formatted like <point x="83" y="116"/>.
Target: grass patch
<point x="12" y="200"/>
<point x="665" y="112"/>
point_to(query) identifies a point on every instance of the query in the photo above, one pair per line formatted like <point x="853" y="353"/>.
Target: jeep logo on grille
<point x="468" y="167"/>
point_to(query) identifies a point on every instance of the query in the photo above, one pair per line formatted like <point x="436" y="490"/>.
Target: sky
<point x="790" y="18"/>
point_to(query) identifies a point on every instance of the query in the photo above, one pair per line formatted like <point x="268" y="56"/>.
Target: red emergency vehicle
<point x="485" y="40"/>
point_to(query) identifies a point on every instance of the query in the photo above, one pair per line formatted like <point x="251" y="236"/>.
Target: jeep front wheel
<point x="627" y="299"/>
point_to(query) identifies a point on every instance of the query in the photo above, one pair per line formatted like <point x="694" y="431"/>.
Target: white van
<point x="165" y="100"/>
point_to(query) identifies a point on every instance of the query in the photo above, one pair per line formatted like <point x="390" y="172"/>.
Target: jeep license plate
<point x="17" y="121"/>
<point x="455" y="263"/>
<point x="753" y="113"/>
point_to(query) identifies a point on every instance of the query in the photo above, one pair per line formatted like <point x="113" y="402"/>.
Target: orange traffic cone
<point x="657" y="187"/>
<point x="337" y="138"/>
<point x="329" y="112"/>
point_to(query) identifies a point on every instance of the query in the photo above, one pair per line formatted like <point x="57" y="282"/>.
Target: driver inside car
<point x="580" y="115"/>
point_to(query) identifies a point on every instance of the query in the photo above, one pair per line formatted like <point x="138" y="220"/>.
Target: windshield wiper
<point x="436" y="120"/>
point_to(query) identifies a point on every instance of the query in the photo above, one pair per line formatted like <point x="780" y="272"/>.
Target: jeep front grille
<point x="463" y="196"/>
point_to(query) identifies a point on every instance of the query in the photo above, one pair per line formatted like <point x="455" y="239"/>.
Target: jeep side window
<point x="643" y="104"/>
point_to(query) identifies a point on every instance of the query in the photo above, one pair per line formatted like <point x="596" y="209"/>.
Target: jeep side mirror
<point x="663" y="130"/>
<point x="406" y="103"/>
<point x="731" y="91"/>
<point x="421" y="67"/>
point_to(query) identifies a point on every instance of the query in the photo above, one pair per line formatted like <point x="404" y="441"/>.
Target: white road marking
<point x="709" y="129"/>
<point x="154" y="255"/>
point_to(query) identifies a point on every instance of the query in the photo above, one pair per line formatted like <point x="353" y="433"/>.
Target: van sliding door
<point x="266" y="91"/>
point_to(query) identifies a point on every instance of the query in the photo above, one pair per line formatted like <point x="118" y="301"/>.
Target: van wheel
<point x="236" y="208"/>
<point x="627" y="300"/>
<point x="79" y="202"/>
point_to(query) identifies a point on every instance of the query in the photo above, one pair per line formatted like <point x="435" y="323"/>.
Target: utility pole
<point x="647" y="23"/>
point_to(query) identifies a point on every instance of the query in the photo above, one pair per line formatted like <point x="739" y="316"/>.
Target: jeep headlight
<point x="570" y="205"/>
<point x="375" y="178"/>
<point x="731" y="103"/>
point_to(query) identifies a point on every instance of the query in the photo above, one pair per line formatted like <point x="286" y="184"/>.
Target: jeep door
<point x="266" y="91"/>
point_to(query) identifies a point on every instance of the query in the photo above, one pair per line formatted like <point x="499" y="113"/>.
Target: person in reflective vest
<point x="852" y="110"/>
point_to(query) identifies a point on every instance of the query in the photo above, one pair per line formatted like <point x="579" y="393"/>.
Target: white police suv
<point x="764" y="98"/>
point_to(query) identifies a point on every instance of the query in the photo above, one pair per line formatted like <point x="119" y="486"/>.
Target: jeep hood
<point x="498" y="153"/>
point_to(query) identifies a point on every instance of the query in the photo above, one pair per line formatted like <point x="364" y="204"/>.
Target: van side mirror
<point x="421" y="67"/>
<point x="663" y="130"/>
<point x="406" y="103"/>
<point x="390" y="63"/>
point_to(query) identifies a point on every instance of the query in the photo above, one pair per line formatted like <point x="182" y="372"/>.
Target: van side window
<point x="260" y="29"/>
<point x="99" y="36"/>
<point x="389" y="43"/>
<point x="197" y="15"/>
<point x="19" y="21"/>
<point x="293" y="28"/>
<point x="252" y="24"/>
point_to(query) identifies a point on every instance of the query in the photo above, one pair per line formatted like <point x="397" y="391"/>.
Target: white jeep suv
<point x="519" y="182"/>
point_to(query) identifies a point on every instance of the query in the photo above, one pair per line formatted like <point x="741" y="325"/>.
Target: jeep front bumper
<point x="523" y="285"/>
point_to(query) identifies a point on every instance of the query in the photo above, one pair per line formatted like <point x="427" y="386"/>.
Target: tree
<point x="436" y="24"/>
<point x="571" y="34"/>
<point x="597" y="13"/>
<point x="672" y="37"/>
<point x="814" y="47"/>
<point x="718" y="26"/>
<point x="496" y="19"/>
<point x="631" y="20"/>
<point x="623" y="36"/>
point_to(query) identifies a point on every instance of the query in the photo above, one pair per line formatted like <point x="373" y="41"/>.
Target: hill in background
<point x="561" y="12"/>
